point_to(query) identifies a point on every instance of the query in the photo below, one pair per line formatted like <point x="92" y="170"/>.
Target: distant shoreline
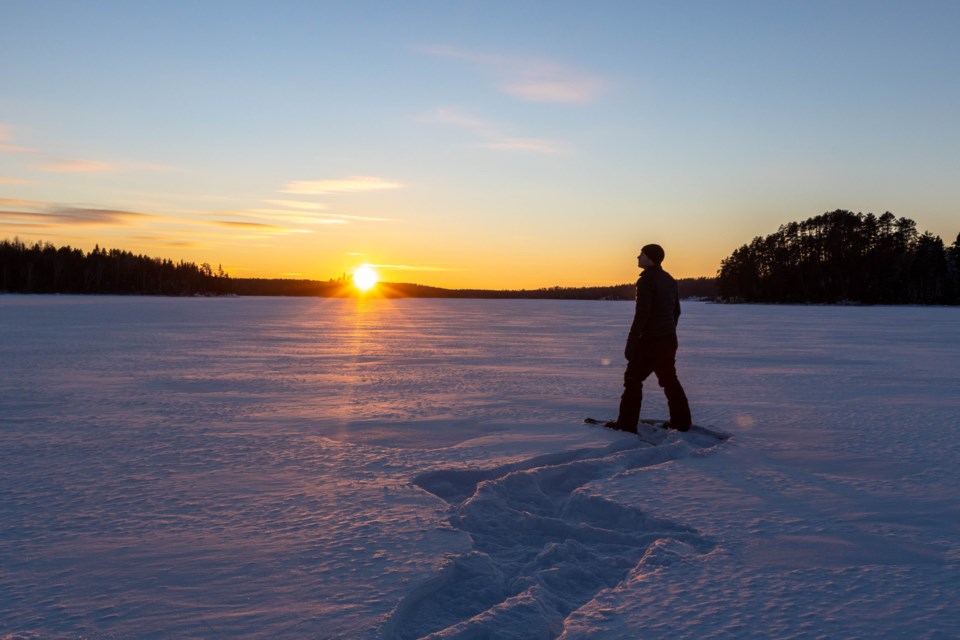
<point x="245" y="287"/>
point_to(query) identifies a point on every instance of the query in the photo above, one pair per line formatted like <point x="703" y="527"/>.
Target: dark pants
<point x="659" y="356"/>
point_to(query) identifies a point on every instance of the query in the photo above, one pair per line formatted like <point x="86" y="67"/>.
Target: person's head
<point x="650" y="255"/>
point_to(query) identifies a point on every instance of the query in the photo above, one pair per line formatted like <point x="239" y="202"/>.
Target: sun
<point x="365" y="278"/>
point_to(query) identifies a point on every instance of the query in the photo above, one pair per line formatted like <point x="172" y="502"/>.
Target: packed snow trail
<point x="543" y="544"/>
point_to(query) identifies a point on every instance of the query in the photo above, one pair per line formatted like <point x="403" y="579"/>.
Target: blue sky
<point x="470" y="143"/>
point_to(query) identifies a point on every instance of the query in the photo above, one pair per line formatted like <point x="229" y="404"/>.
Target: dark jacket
<point x="658" y="308"/>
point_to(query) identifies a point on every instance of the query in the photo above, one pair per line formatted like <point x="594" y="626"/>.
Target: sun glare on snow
<point x="365" y="278"/>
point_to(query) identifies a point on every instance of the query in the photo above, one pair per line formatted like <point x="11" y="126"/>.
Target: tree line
<point x="44" y="268"/>
<point x="841" y="256"/>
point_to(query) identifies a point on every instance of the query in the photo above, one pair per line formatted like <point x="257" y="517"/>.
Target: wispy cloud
<point x="298" y="204"/>
<point x="315" y="217"/>
<point x="296" y="217"/>
<point x="311" y="213"/>
<point x="29" y="204"/>
<point x="13" y="181"/>
<point x="493" y="137"/>
<point x="257" y="229"/>
<point x="32" y="214"/>
<point x="532" y="79"/>
<point x="46" y="214"/>
<point x="346" y="216"/>
<point x="12" y="148"/>
<point x="255" y="223"/>
<point x="571" y="89"/>
<point x="407" y="267"/>
<point x="258" y="226"/>
<point x="166" y="242"/>
<point x="75" y="166"/>
<point x="353" y="184"/>
<point x="98" y="166"/>
<point x="78" y="215"/>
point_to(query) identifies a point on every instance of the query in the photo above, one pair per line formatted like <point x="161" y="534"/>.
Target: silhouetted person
<point x="652" y="345"/>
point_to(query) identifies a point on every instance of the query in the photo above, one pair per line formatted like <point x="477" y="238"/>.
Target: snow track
<point x="543" y="543"/>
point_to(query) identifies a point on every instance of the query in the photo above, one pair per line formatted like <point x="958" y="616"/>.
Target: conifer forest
<point x="844" y="257"/>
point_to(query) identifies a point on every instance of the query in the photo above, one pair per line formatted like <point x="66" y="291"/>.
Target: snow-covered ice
<point x="315" y="468"/>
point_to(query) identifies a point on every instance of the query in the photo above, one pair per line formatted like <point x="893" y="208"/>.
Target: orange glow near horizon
<point x="420" y="260"/>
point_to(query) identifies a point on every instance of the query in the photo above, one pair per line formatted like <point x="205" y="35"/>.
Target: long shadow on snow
<point x="542" y="545"/>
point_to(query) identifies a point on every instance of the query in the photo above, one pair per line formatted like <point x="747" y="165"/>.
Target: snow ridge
<point x="543" y="544"/>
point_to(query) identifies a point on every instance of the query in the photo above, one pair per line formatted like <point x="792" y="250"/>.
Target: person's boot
<point x="630" y="402"/>
<point x="679" y="407"/>
<point x="628" y="417"/>
<point x="620" y="426"/>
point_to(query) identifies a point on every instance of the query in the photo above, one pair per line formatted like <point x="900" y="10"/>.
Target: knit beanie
<point x="654" y="252"/>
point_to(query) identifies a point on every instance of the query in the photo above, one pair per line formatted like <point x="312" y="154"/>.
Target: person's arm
<point x="640" y="316"/>
<point x="676" y="306"/>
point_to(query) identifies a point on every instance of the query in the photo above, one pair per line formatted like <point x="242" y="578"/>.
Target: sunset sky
<point x="470" y="144"/>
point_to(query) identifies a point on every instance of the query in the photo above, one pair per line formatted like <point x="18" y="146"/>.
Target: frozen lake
<point x="319" y="468"/>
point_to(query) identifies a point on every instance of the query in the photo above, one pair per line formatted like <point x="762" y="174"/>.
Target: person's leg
<point x="632" y="399"/>
<point x="666" y="371"/>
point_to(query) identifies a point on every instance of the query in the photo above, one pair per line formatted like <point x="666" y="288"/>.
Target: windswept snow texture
<point x="542" y="546"/>
<point x="342" y="469"/>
